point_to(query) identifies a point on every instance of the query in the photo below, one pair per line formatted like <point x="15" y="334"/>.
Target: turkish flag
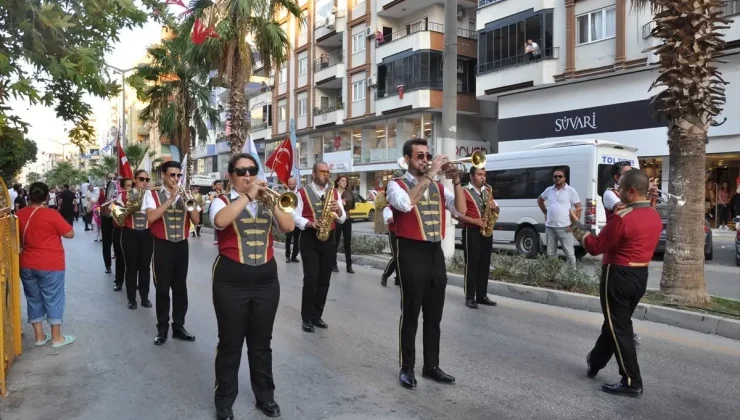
<point x="124" y="168"/>
<point x="281" y="161"/>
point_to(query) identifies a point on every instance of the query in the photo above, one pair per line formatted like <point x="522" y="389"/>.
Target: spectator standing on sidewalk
<point x="348" y="201"/>
<point x="723" y="206"/>
<point x="42" y="265"/>
<point x="556" y="202"/>
<point x="67" y="204"/>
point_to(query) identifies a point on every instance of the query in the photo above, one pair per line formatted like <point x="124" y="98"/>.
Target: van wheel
<point x="528" y="242"/>
<point x="579" y="253"/>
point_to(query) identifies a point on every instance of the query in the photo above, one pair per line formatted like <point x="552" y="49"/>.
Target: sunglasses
<point x="142" y="179"/>
<point x="557" y="176"/>
<point x="324" y="172"/>
<point x="422" y="156"/>
<point x="252" y="170"/>
<point x="178" y="176"/>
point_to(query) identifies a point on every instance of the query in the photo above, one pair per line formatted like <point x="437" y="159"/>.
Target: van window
<point x="522" y="183"/>
<point x="604" y="180"/>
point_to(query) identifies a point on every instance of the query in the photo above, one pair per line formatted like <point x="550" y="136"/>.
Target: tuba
<point x="323" y="225"/>
<point x="489" y="216"/>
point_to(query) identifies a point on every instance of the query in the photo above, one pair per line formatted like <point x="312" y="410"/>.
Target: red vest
<point x="426" y="221"/>
<point x="174" y="226"/>
<point x="391" y="226"/>
<point x="313" y="205"/>
<point x="610" y="213"/>
<point x="474" y="204"/>
<point x="136" y="220"/>
<point x="249" y="238"/>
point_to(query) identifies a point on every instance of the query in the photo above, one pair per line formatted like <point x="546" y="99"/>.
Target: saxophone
<point x="489" y="216"/>
<point x="323" y="225"/>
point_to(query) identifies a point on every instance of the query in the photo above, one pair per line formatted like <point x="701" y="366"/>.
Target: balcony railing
<point x="329" y="20"/>
<point x="327" y="60"/>
<point x="330" y="108"/>
<point x="517" y="60"/>
<point x="731" y="8"/>
<point x="484" y="3"/>
<point x="647" y="29"/>
<point x="410" y="87"/>
<point x="422" y="27"/>
<point x="259" y="125"/>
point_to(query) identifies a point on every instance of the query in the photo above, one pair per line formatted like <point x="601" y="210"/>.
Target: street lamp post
<point x="122" y="72"/>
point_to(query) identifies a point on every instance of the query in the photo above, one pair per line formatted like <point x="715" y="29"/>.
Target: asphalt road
<point x="519" y="360"/>
<point x="721" y="274"/>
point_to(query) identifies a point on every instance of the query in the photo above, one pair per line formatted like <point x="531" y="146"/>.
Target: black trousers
<point x="318" y="259"/>
<point x="120" y="259"/>
<point x="477" y="252"/>
<point x="621" y="289"/>
<point x="68" y="215"/>
<point x="87" y="218"/>
<point x="199" y="225"/>
<point x="137" y="252"/>
<point x="346" y="229"/>
<point x="106" y="230"/>
<point x="421" y="267"/>
<point x="246" y="300"/>
<point x="292" y="237"/>
<point x="391" y="266"/>
<point x="170" y="265"/>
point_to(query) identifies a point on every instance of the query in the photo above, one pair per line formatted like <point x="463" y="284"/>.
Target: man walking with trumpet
<point x="419" y="206"/>
<point x="170" y="211"/>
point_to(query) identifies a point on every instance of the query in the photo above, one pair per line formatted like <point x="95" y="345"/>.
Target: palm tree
<point x="233" y="58"/>
<point x="692" y="96"/>
<point x="135" y="153"/>
<point x="32" y="177"/>
<point x="106" y="165"/>
<point x="64" y="173"/>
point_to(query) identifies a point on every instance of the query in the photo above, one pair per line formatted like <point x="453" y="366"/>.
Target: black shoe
<point x="350" y="270"/>
<point x="590" y="372"/>
<point x="307" y="326"/>
<point x="294" y="259"/>
<point x="470" y="303"/>
<point x="486" y="301"/>
<point x="335" y="269"/>
<point x="384" y="281"/>
<point x="161" y="338"/>
<point x="117" y="288"/>
<point x="407" y="379"/>
<point x="287" y="260"/>
<point x="182" y="334"/>
<point x="437" y="374"/>
<point x="224" y="414"/>
<point x="108" y="270"/>
<point x="318" y="322"/>
<point x="636" y="340"/>
<point x="132" y="304"/>
<point x="146" y="303"/>
<point x="269" y="408"/>
<point x="622" y="389"/>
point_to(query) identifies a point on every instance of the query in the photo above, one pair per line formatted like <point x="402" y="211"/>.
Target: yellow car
<point x="363" y="209"/>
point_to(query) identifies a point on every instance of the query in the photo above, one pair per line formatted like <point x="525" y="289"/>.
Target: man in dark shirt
<point x="67" y="205"/>
<point x="20" y="199"/>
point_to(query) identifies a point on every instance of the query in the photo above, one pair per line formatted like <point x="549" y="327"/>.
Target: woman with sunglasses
<point x="137" y="243"/>
<point x="246" y="290"/>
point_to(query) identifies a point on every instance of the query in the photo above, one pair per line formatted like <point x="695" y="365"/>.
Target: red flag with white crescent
<point x="124" y="167"/>
<point x="281" y="161"/>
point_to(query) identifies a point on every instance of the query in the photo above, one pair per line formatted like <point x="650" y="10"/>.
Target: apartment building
<point x="589" y="77"/>
<point x="361" y="78"/>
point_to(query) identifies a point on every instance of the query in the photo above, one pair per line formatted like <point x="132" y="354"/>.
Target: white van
<point x="518" y="179"/>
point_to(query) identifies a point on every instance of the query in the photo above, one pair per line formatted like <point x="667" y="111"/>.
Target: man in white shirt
<point x="91" y="197"/>
<point x="13" y="196"/>
<point x="610" y="198"/>
<point x="419" y="206"/>
<point x="318" y="257"/>
<point x="292" y="237"/>
<point x="532" y="49"/>
<point x="556" y="202"/>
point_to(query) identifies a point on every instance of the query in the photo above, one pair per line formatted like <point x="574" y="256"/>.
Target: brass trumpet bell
<point x="190" y="204"/>
<point x="286" y="202"/>
<point x="477" y="159"/>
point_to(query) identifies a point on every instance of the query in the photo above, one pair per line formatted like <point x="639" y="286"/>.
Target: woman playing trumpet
<point x="246" y="290"/>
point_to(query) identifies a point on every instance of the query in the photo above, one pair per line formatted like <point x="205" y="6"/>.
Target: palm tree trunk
<point x="237" y="117"/>
<point x="683" y="267"/>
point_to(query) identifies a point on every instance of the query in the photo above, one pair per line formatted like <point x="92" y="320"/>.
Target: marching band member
<point x="477" y="248"/>
<point x="318" y="256"/>
<point x="200" y="200"/>
<point x="246" y="290"/>
<point x="627" y="241"/>
<point x="292" y="237"/>
<point x="611" y="195"/>
<point x="419" y="208"/>
<point x="169" y="221"/>
<point x="392" y="265"/>
<point x="137" y="243"/>
<point x="120" y="275"/>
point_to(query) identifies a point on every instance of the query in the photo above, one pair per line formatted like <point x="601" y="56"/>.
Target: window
<point x="502" y="45"/>
<point x="358" y="42"/>
<point x="521" y="183"/>
<point x="358" y="90"/>
<point x="283" y="113"/>
<point x="302" y="107"/>
<point x="283" y="74"/>
<point x="597" y="25"/>
<point x="302" y="66"/>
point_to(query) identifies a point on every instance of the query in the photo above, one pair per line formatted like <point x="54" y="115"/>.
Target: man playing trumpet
<point x="419" y="206"/>
<point x="169" y="222"/>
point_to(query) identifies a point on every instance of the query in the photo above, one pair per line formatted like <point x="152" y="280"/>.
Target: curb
<point x="694" y="321"/>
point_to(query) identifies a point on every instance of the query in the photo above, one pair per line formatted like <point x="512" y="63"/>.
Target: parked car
<point x="363" y="209"/>
<point x="708" y="247"/>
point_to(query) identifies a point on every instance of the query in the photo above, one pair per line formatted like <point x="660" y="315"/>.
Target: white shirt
<point x="400" y="200"/>
<point x="558" y="203"/>
<point x="13" y="196"/>
<point x="477" y="191"/>
<point x="217" y="205"/>
<point x="610" y="199"/>
<point x="534" y="48"/>
<point x="301" y="221"/>
<point x="387" y="215"/>
<point x="149" y="203"/>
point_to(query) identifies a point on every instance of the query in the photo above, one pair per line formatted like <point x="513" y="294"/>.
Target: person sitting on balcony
<point x="324" y="60"/>
<point x="532" y="50"/>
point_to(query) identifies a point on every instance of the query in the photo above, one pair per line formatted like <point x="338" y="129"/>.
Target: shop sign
<point x="466" y="148"/>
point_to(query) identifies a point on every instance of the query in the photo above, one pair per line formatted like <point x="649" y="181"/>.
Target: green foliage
<point x="106" y="164"/>
<point x="366" y="244"/>
<point x="53" y="52"/>
<point x="135" y="153"/>
<point x="32" y="177"/>
<point x="15" y="152"/>
<point x="64" y="173"/>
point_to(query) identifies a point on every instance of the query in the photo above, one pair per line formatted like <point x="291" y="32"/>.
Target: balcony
<point x="143" y="129"/>
<point x="329" y="70"/>
<point x="731" y="10"/>
<point x="423" y="36"/>
<point x="332" y="114"/>
<point x="260" y="130"/>
<point x="328" y="30"/>
<point x="400" y="8"/>
<point x="517" y="70"/>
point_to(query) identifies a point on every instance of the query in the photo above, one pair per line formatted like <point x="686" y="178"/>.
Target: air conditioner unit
<point x="369" y="33"/>
<point x="460" y="13"/>
<point x="370" y="82"/>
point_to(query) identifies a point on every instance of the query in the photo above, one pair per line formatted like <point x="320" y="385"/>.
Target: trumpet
<point x="190" y="204"/>
<point x="680" y="200"/>
<point x="450" y="167"/>
<point x="286" y="202"/>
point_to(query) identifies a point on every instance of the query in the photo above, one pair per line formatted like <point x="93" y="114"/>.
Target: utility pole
<point x="447" y="141"/>
<point x="122" y="129"/>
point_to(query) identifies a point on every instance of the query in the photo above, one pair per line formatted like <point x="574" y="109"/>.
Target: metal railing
<point x="330" y="108"/>
<point x="10" y="288"/>
<point x="647" y="29"/>
<point x="326" y="60"/>
<point x="518" y="60"/>
<point x="731" y="7"/>
<point x="409" y="87"/>
<point x="484" y="3"/>
<point x="422" y="27"/>
<point x="259" y="125"/>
